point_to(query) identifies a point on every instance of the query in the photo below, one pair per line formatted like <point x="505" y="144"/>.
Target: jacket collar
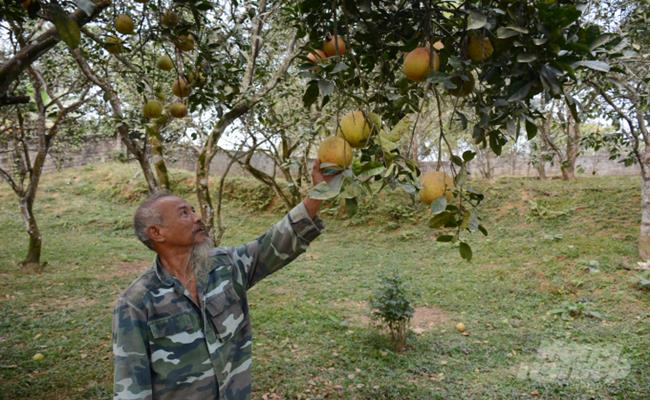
<point x="163" y="276"/>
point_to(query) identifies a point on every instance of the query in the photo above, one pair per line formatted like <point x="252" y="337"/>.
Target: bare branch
<point x="7" y="177"/>
<point x="255" y="46"/>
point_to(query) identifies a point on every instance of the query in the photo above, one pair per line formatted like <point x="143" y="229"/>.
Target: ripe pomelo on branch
<point x="181" y="87"/>
<point x="464" y="85"/>
<point x="196" y="78"/>
<point x="335" y="150"/>
<point x="124" y="24"/>
<point x="331" y="43"/>
<point x="185" y="42"/>
<point x="418" y="64"/>
<point x="169" y="19"/>
<point x="435" y="184"/>
<point x="113" y="45"/>
<point x="178" y="110"/>
<point x="152" y="109"/>
<point x="355" y="129"/>
<point x="479" y="48"/>
<point x="165" y="63"/>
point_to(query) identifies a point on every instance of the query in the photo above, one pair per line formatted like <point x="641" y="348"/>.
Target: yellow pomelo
<point x="165" y="63"/>
<point x="417" y="64"/>
<point x="124" y="24"/>
<point x="355" y="128"/>
<point x="435" y="184"/>
<point x="38" y="357"/>
<point x="460" y="327"/>
<point x="152" y="109"/>
<point x="185" y="42"/>
<point x="335" y="150"/>
<point x="113" y="45"/>
<point x="181" y="87"/>
<point x="178" y="110"/>
<point x="169" y="19"/>
<point x="479" y="48"/>
<point x="196" y="78"/>
<point x="330" y="46"/>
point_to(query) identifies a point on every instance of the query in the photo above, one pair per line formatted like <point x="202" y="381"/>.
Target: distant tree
<point x="29" y="131"/>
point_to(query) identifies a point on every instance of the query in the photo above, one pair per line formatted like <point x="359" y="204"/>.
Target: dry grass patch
<point x="424" y="318"/>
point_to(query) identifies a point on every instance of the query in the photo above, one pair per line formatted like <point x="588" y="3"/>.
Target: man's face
<point x="181" y="227"/>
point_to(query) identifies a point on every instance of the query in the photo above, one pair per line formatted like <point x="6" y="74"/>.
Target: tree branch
<point x="11" y="69"/>
<point x="255" y="46"/>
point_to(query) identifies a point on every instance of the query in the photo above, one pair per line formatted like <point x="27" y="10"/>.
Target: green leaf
<point x="66" y="27"/>
<point x="468" y="155"/>
<point x="439" y="205"/>
<point x="311" y="94"/>
<point x="457" y="160"/>
<point x="445" y="238"/>
<point x="476" y="20"/>
<point x="86" y="5"/>
<point x="339" y="67"/>
<point x="371" y="172"/>
<point x="465" y="251"/>
<point x="482" y="229"/>
<point x="531" y="129"/>
<point x="463" y="119"/>
<point x="326" y="191"/>
<point x="526" y="58"/>
<point x="592" y="64"/>
<point x="439" y="220"/>
<point x="521" y="93"/>
<point x="505" y="32"/>
<point x="603" y="39"/>
<point x="495" y="144"/>
<point x="326" y="87"/>
<point x="351" y="206"/>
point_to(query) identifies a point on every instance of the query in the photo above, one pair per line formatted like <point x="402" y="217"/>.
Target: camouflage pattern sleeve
<point x="280" y="245"/>
<point x="132" y="372"/>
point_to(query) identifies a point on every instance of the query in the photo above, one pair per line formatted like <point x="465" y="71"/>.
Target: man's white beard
<point x="199" y="262"/>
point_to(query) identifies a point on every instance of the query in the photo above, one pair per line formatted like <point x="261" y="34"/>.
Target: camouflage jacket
<point x="167" y="347"/>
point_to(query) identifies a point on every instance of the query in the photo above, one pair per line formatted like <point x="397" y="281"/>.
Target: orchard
<point x="414" y="109"/>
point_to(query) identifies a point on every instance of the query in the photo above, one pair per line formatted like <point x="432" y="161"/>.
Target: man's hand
<point x="317" y="177"/>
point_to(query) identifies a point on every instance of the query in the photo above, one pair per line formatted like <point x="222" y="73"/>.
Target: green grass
<point x="309" y="342"/>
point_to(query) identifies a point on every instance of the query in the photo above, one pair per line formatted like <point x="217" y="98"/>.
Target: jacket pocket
<point x="226" y="312"/>
<point x="172" y="325"/>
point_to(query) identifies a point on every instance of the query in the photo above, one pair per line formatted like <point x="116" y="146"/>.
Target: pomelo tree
<point x="491" y="57"/>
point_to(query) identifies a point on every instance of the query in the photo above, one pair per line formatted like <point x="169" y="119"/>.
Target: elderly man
<point x="182" y="329"/>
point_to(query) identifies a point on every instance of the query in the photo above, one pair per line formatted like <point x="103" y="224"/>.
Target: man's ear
<point x="155" y="234"/>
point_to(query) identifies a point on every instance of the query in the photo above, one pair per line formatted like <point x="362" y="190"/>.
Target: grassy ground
<point x="311" y="336"/>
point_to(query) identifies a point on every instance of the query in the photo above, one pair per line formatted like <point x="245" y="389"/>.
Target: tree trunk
<point x="568" y="166"/>
<point x="158" y="161"/>
<point x="33" y="257"/>
<point x="644" y="236"/>
<point x="203" y="191"/>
